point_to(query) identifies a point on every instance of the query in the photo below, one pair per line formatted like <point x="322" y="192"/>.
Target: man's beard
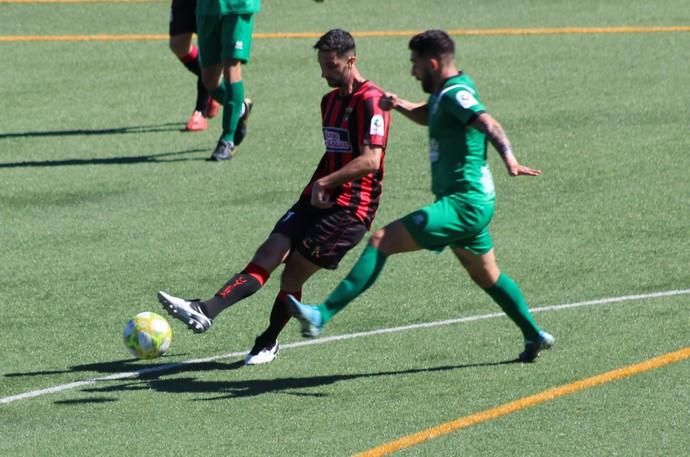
<point x="427" y="83"/>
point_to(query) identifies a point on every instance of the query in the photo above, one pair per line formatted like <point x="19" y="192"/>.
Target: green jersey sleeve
<point x="462" y="101"/>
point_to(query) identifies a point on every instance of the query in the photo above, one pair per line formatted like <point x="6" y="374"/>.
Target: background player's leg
<point x="234" y="99"/>
<point x="184" y="49"/>
<point x="235" y="39"/>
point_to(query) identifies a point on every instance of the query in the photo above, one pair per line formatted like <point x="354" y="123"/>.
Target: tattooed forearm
<point x="497" y="136"/>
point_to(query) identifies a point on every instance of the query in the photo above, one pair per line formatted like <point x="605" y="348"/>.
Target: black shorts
<point x="322" y="236"/>
<point x="182" y="17"/>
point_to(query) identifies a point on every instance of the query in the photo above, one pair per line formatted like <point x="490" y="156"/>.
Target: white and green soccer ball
<point x="147" y="335"/>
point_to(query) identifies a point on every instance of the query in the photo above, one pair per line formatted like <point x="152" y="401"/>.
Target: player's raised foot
<point x="212" y="108"/>
<point x="308" y="316"/>
<point x="241" y="131"/>
<point x="532" y="348"/>
<point x="262" y="352"/>
<point x="187" y="311"/>
<point x="224" y="151"/>
<point x="196" y="122"/>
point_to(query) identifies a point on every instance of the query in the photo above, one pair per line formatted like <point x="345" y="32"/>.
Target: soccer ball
<point x="147" y="335"/>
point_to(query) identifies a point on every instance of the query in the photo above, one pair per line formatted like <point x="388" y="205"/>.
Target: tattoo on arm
<point x="498" y="138"/>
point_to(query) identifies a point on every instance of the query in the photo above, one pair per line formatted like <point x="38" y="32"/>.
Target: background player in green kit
<point x="224" y="29"/>
<point x="461" y="181"/>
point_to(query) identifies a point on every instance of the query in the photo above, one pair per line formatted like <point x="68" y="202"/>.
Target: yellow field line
<point x="525" y="402"/>
<point x="371" y="33"/>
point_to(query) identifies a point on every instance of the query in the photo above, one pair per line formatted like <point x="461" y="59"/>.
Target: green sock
<point x="508" y="296"/>
<point x="232" y="108"/>
<point x="361" y="277"/>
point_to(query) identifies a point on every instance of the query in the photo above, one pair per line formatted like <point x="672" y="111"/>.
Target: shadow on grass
<point x="150" y="158"/>
<point x="151" y="377"/>
<point x="219" y="390"/>
<point x="81" y="401"/>
<point x="167" y="364"/>
<point x="168" y="127"/>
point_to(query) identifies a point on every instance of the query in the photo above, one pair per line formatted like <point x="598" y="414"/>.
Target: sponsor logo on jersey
<point x="337" y="140"/>
<point x="466" y="99"/>
<point x="239" y="45"/>
<point x="376" y="128"/>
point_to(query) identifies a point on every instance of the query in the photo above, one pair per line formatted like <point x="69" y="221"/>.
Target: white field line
<point x="328" y="339"/>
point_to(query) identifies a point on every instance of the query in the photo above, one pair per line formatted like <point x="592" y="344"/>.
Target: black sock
<point x="191" y="62"/>
<point x="280" y="316"/>
<point x="240" y="286"/>
<point x="201" y="97"/>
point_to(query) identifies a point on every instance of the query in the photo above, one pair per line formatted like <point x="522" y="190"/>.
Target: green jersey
<point x="223" y="7"/>
<point x="457" y="151"/>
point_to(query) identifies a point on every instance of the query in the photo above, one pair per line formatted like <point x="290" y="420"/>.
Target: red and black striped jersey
<point x="350" y="122"/>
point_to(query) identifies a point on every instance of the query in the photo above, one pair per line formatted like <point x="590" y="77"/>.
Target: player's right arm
<point x="416" y="112"/>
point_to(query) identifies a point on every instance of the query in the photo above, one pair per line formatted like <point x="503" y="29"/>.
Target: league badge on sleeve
<point x="466" y="99"/>
<point x="376" y="127"/>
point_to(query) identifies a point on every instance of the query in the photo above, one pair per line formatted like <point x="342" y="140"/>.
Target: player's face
<point x="422" y="70"/>
<point x="335" y="69"/>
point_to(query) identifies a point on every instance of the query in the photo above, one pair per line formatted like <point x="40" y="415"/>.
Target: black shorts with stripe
<point x="322" y="236"/>
<point x="182" y="17"/>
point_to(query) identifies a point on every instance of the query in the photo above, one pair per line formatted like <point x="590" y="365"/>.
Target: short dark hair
<point x="337" y="40"/>
<point x="432" y="43"/>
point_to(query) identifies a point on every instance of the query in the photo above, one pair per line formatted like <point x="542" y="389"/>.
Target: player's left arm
<point x="486" y="123"/>
<point x="369" y="161"/>
<point x="372" y="144"/>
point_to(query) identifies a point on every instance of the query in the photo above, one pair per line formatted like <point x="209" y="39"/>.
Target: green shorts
<point x="452" y="221"/>
<point x="224" y="37"/>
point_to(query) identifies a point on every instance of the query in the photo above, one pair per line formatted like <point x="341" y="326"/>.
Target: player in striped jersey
<point x="333" y="212"/>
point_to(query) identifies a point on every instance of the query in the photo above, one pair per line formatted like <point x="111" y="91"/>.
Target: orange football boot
<point x="196" y="123"/>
